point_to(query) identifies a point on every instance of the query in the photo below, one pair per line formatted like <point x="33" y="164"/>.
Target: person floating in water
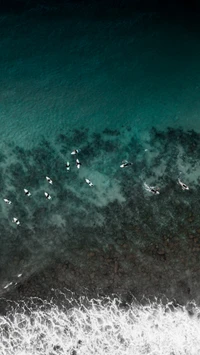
<point x="47" y="195"/>
<point x="49" y="180"/>
<point x="184" y="186"/>
<point x="78" y="164"/>
<point x="125" y="163"/>
<point x="68" y="166"/>
<point x="152" y="189"/>
<point x="76" y="151"/>
<point x="89" y="182"/>
<point x="16" y="221"/>
<point x="7" y="201"/>
<point x="27" y="193"/>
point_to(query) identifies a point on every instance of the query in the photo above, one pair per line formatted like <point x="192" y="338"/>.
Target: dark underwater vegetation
<point x="113" y="237"/>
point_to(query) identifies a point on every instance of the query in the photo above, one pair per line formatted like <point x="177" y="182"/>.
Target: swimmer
<point x="16" y="221"/>
<point x="89" y="182"/>
<point x="68" y="166"/>
<point x="47" y="196"/>
<point x="76" y="151"/>
<point x="78" y="164"/>
<point x="184" y="187"/>
<point x="7" y="201"/>
<point x="27" y="193"/>
<point x="49" y="180"/>
<point x="125" y="163"/>
<point x="152" y="189"/>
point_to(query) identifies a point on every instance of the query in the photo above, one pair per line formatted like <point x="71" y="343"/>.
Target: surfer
<point x="184" y="186"/>
<point x="27" y="193"/>
<point x="10" y="283"/>
<point x="7" y="201"/>
<point x="78" y="164"/>
<point x="152" y="189"/>
<point x="89" y="182"/>
<point x="68" y="166"/>
<point x="16" y="221"/>
<point x="47" y="195"/>
<point x="49" y="180"/>
<point x="125" y="163"/>
<point x="76" y="151"/>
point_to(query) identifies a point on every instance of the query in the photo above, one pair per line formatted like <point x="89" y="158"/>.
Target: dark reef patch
<point x="115" y="236"/>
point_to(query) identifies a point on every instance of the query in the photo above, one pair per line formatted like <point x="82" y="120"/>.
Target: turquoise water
<point x="65" y="72"/>
<point x="118" y="88"/>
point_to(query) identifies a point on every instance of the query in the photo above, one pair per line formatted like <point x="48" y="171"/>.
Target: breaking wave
<point x="99" y="326"/>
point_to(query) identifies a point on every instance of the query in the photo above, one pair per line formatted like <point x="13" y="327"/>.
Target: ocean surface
<point x="118" y="86"/>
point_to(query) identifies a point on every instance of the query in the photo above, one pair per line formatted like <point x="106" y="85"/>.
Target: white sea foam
<point x="99" y="327"/>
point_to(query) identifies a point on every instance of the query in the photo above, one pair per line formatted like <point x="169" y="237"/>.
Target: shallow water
<point x="116" y="210"/>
